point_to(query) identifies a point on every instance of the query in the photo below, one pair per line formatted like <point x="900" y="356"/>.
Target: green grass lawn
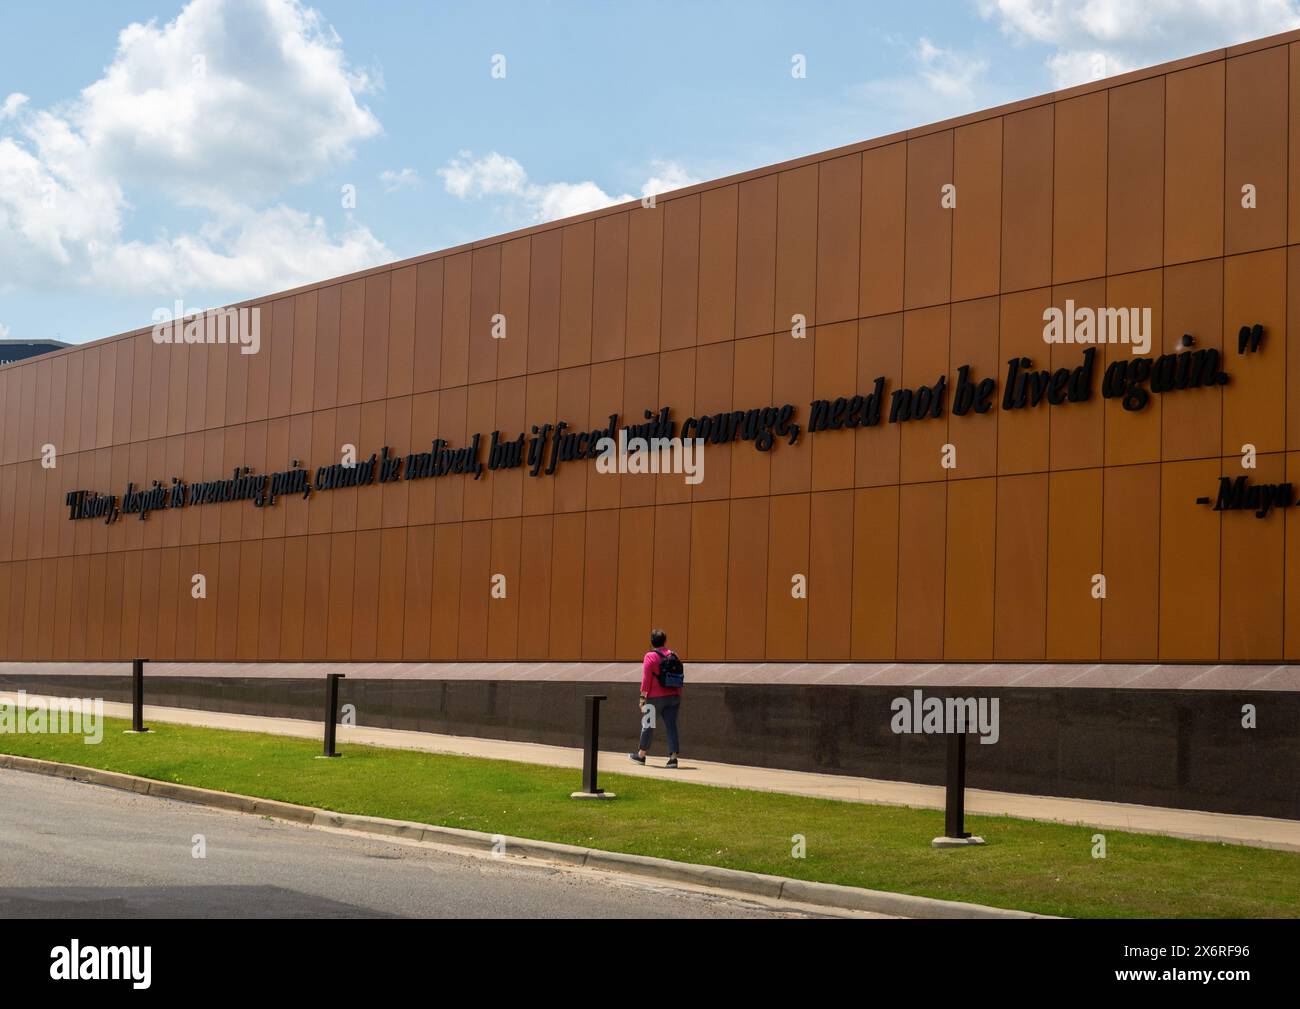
<point x="1035" y="866"/>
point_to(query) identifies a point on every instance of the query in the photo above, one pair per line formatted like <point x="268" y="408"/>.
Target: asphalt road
<point x="72" y="850"/>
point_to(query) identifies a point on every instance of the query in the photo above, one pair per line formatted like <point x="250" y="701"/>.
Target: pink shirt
<point x="650" y="685"/>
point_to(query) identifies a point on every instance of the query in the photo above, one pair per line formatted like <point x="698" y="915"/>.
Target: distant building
<point x="21" y="350"/>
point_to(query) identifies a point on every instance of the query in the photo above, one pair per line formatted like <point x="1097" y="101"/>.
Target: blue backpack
<point x="671" y="671"/>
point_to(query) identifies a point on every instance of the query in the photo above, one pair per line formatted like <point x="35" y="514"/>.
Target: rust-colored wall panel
<point x="880" y="355"/>
<point x="925" y="363"/>
<point x="1027" y="199"/>
<point x="977" y="217"/>
<point x="503" y="597"/>
<point x="884" y="222"/>
<point x="747" y="580"/>
<point x="839" y="238"/>
<point x="756" y="257"/>
<point x="1255" y="141"/>
<point x="475" y="589"/>
<point x="484" y="306"/>
<point x="389" y="644"/>
<point x="1192" y="420"/>
<point x="1020" y="606"/>
<point x="835" y="369"/>
<point x="922" y="520"/>
<point x="796" y="248"/>
<point x="1251" y="580"/>
<point x="719" y="219"/>
<point x="968" y="566"/>
<point x="670" y="576"/>
<point x="609" y="295"/>
<point x="927" y="252"/>
<point x="1194" y="110"/>
<point x="636" y="553"/>
<point x="600" y="585"/>
<point x="787" y="577"/>
<point x="974" y="435"/>
<point x="512" y="352"/>
<point x="1189" y="562"/>
<point x="1135" y="152"/>
<point x="567" y="599"/>
<point x="578" y="242"/>
<point x="1079" y="189"/>
<point x="1131" y="563"/>
<point x="830" y="576"/>
<point x="1073" y="560"/>
<point x="457" y="273"/>
<point x="535" y="587"/>
<point x="1024" y="436"/>
<point x="1133" y="436"/>
<point x="544" y="302"/>
<point x="645" y="262"/>
<point x="1254" y="400"/>
<point x="710" y="567"/>
<point x="681" y="272"/>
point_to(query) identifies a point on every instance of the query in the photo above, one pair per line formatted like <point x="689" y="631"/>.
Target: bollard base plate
<point x="136" y="732"/>
<point x="957" y="842"/>
<point x="328" y="756"/>
<point x="591" y="795"/>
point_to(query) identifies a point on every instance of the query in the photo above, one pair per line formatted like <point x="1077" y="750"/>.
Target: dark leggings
<point x="665" y="711"/>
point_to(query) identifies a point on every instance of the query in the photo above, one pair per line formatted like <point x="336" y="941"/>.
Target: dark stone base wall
<point x="1180" y="748"/>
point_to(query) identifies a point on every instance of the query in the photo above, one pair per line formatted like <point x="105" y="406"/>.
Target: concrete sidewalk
<point x="1256" y="831"/>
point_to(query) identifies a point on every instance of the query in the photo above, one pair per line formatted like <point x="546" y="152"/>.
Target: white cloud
<point x="393" y="181"/>
<point x="219" y="110"/>
<point x="12" y="104"/>
<point x="944" y="83"/>
<point x="502" y="178"/>
<point x="1095" y="38"/>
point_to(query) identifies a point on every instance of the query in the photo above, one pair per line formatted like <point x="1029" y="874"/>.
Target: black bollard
<point x="955" y="801"/>
<point x="591" y="751"/>
<point x="331" y="711"/>
<point x="137" y="695"/>
<point x="955" y="834"/>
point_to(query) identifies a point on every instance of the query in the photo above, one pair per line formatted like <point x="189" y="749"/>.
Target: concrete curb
<point x="829" y="895"/>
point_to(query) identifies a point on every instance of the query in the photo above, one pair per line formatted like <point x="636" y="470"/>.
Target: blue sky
<point x="199" y="151"/>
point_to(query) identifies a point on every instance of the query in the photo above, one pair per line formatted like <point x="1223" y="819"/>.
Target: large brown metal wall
<point x="1121" y="193"/>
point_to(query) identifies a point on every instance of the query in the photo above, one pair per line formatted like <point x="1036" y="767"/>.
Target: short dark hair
<point x="658" y="638"/>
